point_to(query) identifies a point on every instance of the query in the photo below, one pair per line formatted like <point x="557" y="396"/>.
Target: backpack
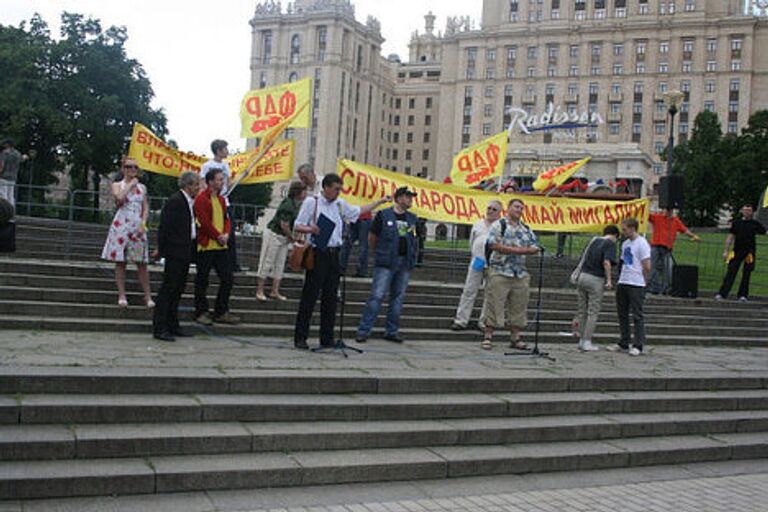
<point x="488" y="250"/>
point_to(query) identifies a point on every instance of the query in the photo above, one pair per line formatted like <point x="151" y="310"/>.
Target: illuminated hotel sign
<point x="553" y="119"/>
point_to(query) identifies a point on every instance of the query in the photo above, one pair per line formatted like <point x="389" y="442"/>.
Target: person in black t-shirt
<point x="593" y="279"/>
<point x="742" y="236"/>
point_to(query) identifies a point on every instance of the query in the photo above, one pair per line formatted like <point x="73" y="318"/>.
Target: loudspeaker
<point x="685" y="281"/>
<point x="671" y="192"/>
<point x="8" y="237"/>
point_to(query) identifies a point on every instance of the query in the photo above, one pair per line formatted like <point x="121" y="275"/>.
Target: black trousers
<point x="219" y="260"/>
<point x="733" y="270"/>
<point x="323" y="280"/>
<point x="629" y="302"/>
<point x="166" y="315"/>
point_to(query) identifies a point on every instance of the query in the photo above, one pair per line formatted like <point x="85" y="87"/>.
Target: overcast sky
<point x="196" y="52"/>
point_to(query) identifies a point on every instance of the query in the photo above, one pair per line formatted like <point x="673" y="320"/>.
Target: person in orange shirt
<point x="666" y="226"/>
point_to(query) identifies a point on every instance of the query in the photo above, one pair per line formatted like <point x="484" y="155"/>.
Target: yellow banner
<point x="765" y="198"/>
<point x="446" y="203"/>
<point x="480" y="162"/>
<point x="262" y="109"/>
<point x="155" y="155"/>
<point x="558" y="175"/>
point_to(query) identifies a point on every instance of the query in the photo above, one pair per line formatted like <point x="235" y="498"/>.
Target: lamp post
<point x="673" y="99"/>
<point x="32" y="154"/>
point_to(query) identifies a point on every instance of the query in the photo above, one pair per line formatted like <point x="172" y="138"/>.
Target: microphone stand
<point x="535" y="352"/>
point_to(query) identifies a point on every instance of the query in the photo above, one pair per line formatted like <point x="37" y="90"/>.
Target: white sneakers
<point x="587" y="346"/>
<point x="634" y="352"/>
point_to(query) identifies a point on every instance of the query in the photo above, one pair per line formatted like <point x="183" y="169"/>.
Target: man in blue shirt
<point x="394" y="243"/>
<point x="510" y="240"/>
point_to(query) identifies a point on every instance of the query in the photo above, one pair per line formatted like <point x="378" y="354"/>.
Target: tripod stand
<point x="535" y="352"/>
<point x="340" y="345"/>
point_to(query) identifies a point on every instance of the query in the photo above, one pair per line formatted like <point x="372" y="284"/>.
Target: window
<point x="408" y="137"/>
<point x="637" y="108"/>
<point x="638" y="88"/>
<point x="408" y="155"/>
<point x="488" y="110"/>
<point x="663" y="87"/>
<point x="573" y="71"/>
<point x="618" y="49"/>
<point x="322" y="43"/>
<point x="532" y="52"/>
<point x="736" y="44"/>
<point x="690" y="5"/>
<point x="514" y="11"/>
<point x="660" y="107"/>
<point x="263" y="80"/>
<point x="573" y="51"/>
<point x="734" y="85"/>
<point x="620" y="12"/>
<point x="683" y="127"/>
<point x="486" y="129"/>
<point x="295" y="49"/>
<point x="266" y="47"/>
<point x="685" y="86"/>
<point x="618" y="69"/>
<point x="511" y="54"/>
<point x="709" y="86"/>
<point x="593" y="88"/>
<point x="733" y="127"/>
<point x="394" y="154"/>
<point x="663" y="67"/>
<point x="664" y="47"/>
<point x="551" y="71"/>
<point x="658" y="147"/>
<point x="736" y="65"/>
<point x="711" y="45"/>
<point x="733" y="106"/>
<point x="615" y="89"/>
<point x="471" y="56"/>
<point x="470" y="74"/>
<point x="640" y="47"/>
<point x="411" y="120"/>
<point x="573" y="89"/>
<point x="614" y="128"/>
<point x="425" y="154"/>
<point x="489" y="92"/>
<point x="293" y="77"/>
<point x="428" y="102"/>
<point x="467" y="92"/>
<point x="552" y="52"/>
<point x="412" y="103"/>
<point x="688" y="45"/>
<point x="531" y="72"/>
<point x="490" y="74"/>
<point x="595" y="70"/>
<point x="615" y="107"/>
<point x="640" y="68"/>
<point x="711" y="66"/>
<point x="686" y="68"/>
<point x="597" y="49"/>
<point x="490" y="55"/>
<point x="709" y="106"/>
<point x="427" y="120"/>
<point x="426" y="137"/>
<point x="637" y="128"/>
<point x="643" y="7"/>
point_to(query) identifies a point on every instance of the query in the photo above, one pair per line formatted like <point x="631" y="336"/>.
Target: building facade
<point x="528" y="66"/>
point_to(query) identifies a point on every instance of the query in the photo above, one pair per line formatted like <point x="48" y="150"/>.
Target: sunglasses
<point x="131" y="166"/>
<point x="493" y="208"/>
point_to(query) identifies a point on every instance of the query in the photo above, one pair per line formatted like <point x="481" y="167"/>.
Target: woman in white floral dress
<point x="127" y="240"/>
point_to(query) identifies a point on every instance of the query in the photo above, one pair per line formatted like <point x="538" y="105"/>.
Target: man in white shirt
<point x="630" y="292"/>
<point x="220" y="151"/>
<point x="323" y="279"/>
<point x="477" y="264"/>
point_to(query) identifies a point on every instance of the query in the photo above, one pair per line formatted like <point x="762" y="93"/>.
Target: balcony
<point x="571" y="98"/>
<point x="529" y="99"/>
<point x="615" y="96"/>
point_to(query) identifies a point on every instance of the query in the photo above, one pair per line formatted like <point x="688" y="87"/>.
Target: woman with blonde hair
<point x="127" y="240"/>
<point x="278" y="237"/>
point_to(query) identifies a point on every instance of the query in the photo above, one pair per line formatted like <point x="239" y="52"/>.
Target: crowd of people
<point x="196" y="227"/>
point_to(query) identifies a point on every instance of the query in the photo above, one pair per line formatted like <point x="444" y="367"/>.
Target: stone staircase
<point x="76" y="432"/>
<point x="80" y="296"/>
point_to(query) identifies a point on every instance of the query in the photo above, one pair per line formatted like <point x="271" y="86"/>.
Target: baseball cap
<point x="402" y="191"/>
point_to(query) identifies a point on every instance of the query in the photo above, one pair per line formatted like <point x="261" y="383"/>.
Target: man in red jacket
<point x="212" y="236"/>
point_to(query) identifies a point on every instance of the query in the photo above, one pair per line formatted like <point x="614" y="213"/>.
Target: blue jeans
<point x="396" y="281"/>
<point x="358" y="232"/>
<point x="661" y="269"/>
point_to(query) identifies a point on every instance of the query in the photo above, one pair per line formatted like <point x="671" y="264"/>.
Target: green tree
<point x="747" y="172"/>
<point x="700" y="161"/>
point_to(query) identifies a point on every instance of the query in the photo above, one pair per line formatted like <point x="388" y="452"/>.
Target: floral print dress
<point x="124" y="243"/>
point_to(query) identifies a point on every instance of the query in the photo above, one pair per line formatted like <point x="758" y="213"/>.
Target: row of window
<point x="321" y="46"/>
<point x="617" y="70"/>
<point x="599" y="9"/>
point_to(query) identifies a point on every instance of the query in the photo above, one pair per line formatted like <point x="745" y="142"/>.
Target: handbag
<point x="577" y="271"/>
<point x="303" y="254"/>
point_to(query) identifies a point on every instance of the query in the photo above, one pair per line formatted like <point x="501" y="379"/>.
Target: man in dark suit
<point x="175" y="243"/>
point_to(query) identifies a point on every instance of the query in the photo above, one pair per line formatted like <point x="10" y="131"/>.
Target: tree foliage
<point x="72" y="99"/>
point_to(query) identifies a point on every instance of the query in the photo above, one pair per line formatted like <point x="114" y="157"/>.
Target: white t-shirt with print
<point x="633" y="252"/>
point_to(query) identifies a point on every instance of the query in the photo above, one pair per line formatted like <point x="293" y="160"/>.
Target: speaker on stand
<point x="671" y="192"/>
<point x="7" y="227"/>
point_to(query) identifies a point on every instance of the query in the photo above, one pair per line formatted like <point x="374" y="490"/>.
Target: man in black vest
<point x="175" y="242"/>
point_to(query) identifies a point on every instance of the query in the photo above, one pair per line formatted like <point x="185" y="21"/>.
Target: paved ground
<point x="227" y="355"/>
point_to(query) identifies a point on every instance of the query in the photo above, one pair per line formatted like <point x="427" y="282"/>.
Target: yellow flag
<point x="765" y="198"/>
<point x="480" y="162"/>
<point x="558" y="175"/>
<point x="276" y="165"/>
<point x="262" y="109"/>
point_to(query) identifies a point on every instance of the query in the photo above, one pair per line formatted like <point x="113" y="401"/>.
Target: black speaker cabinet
<point x="8" y="237"/>
<point x="685" y="281"/>
<point x="671" y="192"/>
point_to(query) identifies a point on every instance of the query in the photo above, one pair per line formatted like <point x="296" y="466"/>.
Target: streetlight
<point x="673" y="99"/>
<point x="32" y="153"/>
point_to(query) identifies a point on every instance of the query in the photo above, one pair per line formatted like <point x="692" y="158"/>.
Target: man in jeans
<point x="630" y="292"/>
<point x="595" y="276"/>
<point x="394" y="244"/>
<point x="510" y="240"/>
<point x="666" y="226"/>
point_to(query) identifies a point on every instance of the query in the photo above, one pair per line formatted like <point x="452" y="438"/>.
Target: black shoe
<point x="394" y="338"/>
<point x="164" y="336"/>
<point x="361" y="339"/>
<point x="301" y="345"/>
<point x="457" y="327"/>
<point x="181" y="333"/>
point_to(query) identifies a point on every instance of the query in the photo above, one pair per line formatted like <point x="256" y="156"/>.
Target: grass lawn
<point x="707" y="255"/>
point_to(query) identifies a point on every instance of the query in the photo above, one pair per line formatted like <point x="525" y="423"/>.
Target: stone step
<point x="561" y="311"/>
<point x="267" y="319"/>
<point x="273" y="333"/>
<point x="88" y="477"/>
<point x="95" y="441"/>
<point x="196" y="408"/>
<point x="82" y="380"/>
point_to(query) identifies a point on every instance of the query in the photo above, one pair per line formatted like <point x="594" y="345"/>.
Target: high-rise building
<point x="533" y="67"/>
